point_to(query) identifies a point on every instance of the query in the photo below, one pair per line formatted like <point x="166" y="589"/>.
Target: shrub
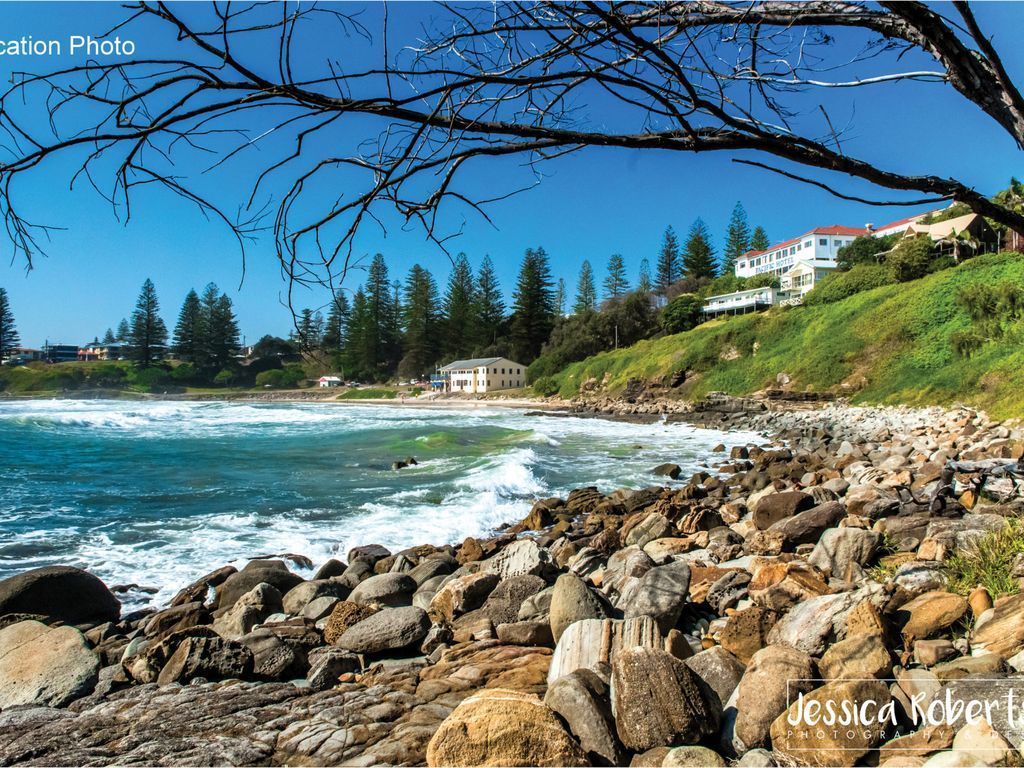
<point x="184" y="373"/>
<point x="224" y="378"/>
<point x="864" y="250"/>
<point x="273" y="378"/>
<point x="910" y="260"/>
<point x="546" y="386"/>
<point x="989" y="563"/>
<point x="841" y="285"/>
<point x="764" y="280"/>
<point x="681" y="314"/>
<point x="146" y="379"/>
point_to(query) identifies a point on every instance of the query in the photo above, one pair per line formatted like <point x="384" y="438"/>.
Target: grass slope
<point x="887" y="345"/>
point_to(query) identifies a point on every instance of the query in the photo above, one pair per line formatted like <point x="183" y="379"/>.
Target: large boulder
<point x="1003" y="631"/>
<point x="807" y="527"/>
<point x="503" y="727"/>
<point x="928" y="614"/>
<point x="774" y="507"/>
<point x="843" y="551"/>
<point x="661" y="593"/>
<point x="211" y="658"/>
<point x="572" y="601"/>
<point x="61" y="593"/>
<point x="593" y="643"/>
<point x="462" y="594"/>
<point x="859" y="657"/>
<point x="272" y="572"/>
<point x="718" y="673"/>
<point x="657" y="700"/>
<point x="301" y="595"/>
<point x="582" y="700"/>
<point x="774" y="674"/>
<point x="44" y="666"/>
<point x="521" y="558"/>
<point x="391" y="629"/>
<point x="814" y="623"/>
<point x="390" y="589"/>
<point x="252" y="608"/>
<point x="811" y="743"/>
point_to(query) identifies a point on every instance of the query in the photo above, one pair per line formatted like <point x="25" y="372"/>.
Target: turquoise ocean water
<point x="157" y="493"/>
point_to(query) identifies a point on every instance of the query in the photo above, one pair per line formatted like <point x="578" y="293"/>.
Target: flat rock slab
<point x="47" y="666"/>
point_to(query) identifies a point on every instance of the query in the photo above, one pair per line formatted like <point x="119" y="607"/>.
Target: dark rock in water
<point x="330" y="569"/>
<point x="60" y="593"/>
<point x="392" y="629"/>
<point x="210" y="658"/>
<point x="237" y="584"/>
<point x="667" y="470"/>
<point x="120" y="589"/>
<point x="408" y="461"/>
<point x="300" y="560"/>
<point x="198" y="590"/>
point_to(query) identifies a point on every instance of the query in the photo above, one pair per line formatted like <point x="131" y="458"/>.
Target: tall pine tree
<point x="421" y="324"/>
<point x="699" y="258"/>
<point x="561" y="293"/>
<point x="148" y="333"/>
<point x="737" y="239"/>
<point x="108" y="337"/>
<point x="459" y="311"/>
<point x="380" y="345"/>
<point x="644" y="284"/>
<point x="533" y="311"/>
<point x="586" y="291"/>
<point x="124" y="331"/>
<point x="9" y="339"/>
<point x="615" y="283"/>
<point x="759" y="240"/>
<point x="489" y="306"/>
<point x="187" y="342"/>
<point x="669" y="265"/>
<point x="337" y="324"/>
<point x="361" y="341"/>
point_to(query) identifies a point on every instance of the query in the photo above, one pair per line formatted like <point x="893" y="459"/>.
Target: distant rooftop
<point x="831" y="229"/>
<point x="476" y="362"/>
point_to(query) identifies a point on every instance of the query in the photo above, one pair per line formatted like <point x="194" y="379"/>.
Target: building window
<point x="823" y="241"/>
<point x="837" y="243"/>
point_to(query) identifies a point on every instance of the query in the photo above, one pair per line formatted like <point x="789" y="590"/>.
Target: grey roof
<point x="476" y="362"/>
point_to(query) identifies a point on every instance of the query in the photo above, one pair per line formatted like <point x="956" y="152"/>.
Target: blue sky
<point x="590" y="205"/>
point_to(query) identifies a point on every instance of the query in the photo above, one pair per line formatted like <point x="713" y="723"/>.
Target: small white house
<point x="484" y="374"/>
<point x="328" y="381"/>
<point x="804" y="275"/>
<point x="740" y="302"/>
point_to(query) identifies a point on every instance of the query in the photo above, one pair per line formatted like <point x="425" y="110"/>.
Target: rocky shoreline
<point x="672" y="625"/>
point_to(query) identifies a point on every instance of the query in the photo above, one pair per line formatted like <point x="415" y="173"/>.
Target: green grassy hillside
<point x="887" y="345"/>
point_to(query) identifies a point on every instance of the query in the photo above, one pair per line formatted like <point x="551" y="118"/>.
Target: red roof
<point x="908" y="221"/>
<point x="831" y="229"/>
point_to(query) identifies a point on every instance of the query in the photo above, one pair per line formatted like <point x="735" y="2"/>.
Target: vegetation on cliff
<point x="891" y="344"/>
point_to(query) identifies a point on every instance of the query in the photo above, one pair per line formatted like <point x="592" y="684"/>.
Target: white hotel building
<point x="799" y="263"/>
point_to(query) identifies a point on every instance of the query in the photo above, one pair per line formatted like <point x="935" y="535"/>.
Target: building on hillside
<point x="22" y="355"/>
<point x="803" y="276"/>
<point x="96" y="350"/>
<point x="820" y="244"/>
<point x="325" y="382"/>
<point x="740" y="302"/>
<point x="484" y="374"/>
<point x="60" y="353"/>
<point x="900" y="225"/>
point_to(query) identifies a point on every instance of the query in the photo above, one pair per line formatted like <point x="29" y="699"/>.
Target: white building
<point x="740" y="302"/>
<point x="803" y="276"/>
<point x="484" y="374"/>
<point x="328" y="381"/>
<point x="820" y="244"/>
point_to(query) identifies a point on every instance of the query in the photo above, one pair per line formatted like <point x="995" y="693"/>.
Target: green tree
<point x="737" y="238"/>
<point x="681" y="314"/>
<point x="124" y="331"/>
<point x="187" y="342"/>
<point x="307" y="332"/>
<point x="380" y="342"/>
<point x="910" y="259"/>
<point x="361" y="342"/>
<point x="337" y="324"/>
<point x="615" y="283"/>
<point x="9" y="338"/>
<point x="489" y="305"/>
<point x="108" y="337"/>
<point x="148" y="334"/>
<point x="699" y="258"/>
<point x="218" y="332"/>
<point x="669" y="265"/>
<point x="533" y="310"/>
<point x="759" y="240"/>
<point x="421" y="323"/>
<point x="586" y="292"/>
<point x="864" y="250"/>
<point x="459" y="310"/>
<point x="643" y="283"/>
<point x="561" y="292"/>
